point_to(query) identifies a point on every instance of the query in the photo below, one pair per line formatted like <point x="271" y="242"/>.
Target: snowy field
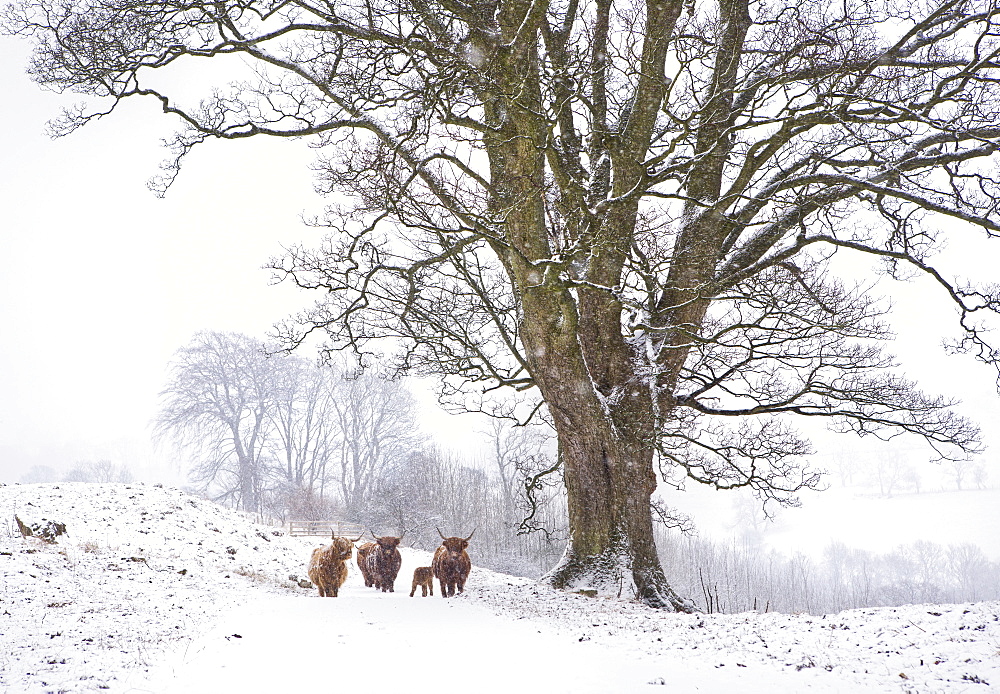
<point x="153" y="590"/>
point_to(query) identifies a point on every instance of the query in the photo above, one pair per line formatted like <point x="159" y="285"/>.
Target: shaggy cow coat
<point x="328" y="566"/>
<point x="365" y="551"/>
<point x="451" y="564"/>
<point x="424" y="577"/>
<point x="381" y="563"/>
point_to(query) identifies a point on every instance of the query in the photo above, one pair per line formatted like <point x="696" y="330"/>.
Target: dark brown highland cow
<point x="423" y="576"/>
<point x="379" y="562"/>
<point x="328" y="566"/>
<point x="452" y="564"/>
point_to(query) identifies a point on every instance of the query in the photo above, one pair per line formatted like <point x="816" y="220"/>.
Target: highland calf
<point x="424" y="577"/>
<point x="451" y="564"/>
<point x="328" y="566"/>
<point x="379" y="562"/>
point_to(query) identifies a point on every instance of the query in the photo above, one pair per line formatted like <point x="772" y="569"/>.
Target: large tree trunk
<point x="575" y="349"/>
<point x="609" y="480"/>
<point x="607" y="441"/>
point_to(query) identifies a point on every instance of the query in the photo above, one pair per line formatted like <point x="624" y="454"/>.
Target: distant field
<point x="858" y="518"/>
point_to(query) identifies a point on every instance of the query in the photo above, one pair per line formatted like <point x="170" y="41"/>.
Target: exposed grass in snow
<point x="150" y="586"/>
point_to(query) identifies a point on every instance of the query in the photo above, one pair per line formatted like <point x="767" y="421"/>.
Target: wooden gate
<point x="324" y="528"/>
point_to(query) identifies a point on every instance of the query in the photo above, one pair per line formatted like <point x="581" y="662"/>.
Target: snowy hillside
<point x="153" y="590"/>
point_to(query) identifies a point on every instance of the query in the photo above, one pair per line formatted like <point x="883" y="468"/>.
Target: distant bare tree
<point x="99" y="471"/>
<point x="912" y="479"/>
<point x="305" y="422"/>
<point x="39" y="473"/>
<point x="960" y="470"/>
<point x="846" y="465"/>
<point x="969" y="568"/>
<point x="303" y="503"/>
<point x="376" y="422"/>
<point x="218" y="405"/>
<point x="929" y="560"/>
<point x="889" y="471"/>
<point x="271" y="430"/>
<point x="411" y="496"/>
<point x="980" y="476"/>
<point x="517" y="452"/>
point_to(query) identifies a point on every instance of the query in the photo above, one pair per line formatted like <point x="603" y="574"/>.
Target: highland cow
<point x="364" y="552"/>
<point x="451" y="564"/>
<point x="328" y="566"/>
<point x="424" y="577"/>
<point x="380" y="562"/>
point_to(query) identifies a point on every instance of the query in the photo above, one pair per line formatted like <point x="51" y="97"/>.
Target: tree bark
<point x="577" y="355"/>
<point x="609" y="481"/>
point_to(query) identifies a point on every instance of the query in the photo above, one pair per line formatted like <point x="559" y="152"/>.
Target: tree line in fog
<point x="743" y="576"/>
<point x="284" y="438"/>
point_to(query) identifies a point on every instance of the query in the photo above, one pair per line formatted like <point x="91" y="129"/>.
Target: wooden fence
<point x="324" y="528"/>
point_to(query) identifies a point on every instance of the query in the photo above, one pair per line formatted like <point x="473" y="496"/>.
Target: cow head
<point x="455" y="545"/>
<point x="387" y="543"/>
<point x="343" y="546"/>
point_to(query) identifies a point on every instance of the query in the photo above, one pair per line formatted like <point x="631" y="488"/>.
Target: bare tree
<point x="273" y="430"/>
<point x="39" y="473"/>
<point x="218" y="404"/>
<point x="969" y="569"/>
<point x="889" y="471"/>
<point x="846" y="464"/>
<point x="376" y="419"/>
<point x="99" y="471"/>
<point x="305" y="424"/>
<point x="980" y="476"/>
<point x="518" y="453"/>
<point x="630" y="207"/>
<point x="960" y="470"/>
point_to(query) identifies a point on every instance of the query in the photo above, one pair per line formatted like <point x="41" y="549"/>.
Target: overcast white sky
<point x="101" y="282"/>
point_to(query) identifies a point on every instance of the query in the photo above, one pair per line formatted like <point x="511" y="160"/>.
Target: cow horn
<point x="403" y="535"/>
<point x="440" y="533"/>
<point x="373" y="534"/>
<point x="472" y="533"/>
<point x="358" y="538"/>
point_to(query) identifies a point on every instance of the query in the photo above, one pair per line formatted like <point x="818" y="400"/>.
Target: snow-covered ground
<point x="153" y="590"/>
